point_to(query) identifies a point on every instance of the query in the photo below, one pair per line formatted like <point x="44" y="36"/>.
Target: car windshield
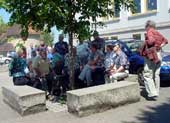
<point x="134" y="45"/>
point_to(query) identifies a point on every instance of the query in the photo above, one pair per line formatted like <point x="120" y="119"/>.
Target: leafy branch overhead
<point x="67" y="15"/>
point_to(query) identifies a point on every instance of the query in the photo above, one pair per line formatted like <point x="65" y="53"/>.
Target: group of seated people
<point x="53" y="75"/>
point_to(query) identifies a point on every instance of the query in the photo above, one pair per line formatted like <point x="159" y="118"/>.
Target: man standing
<point x="151" y="51"/>
<point x="61" y="47"/>
<point x="98" y="41"/>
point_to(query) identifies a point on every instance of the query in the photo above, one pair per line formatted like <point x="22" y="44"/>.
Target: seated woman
<point x="117" y="71"/>
<point x="95" y="61"/>
<point x="18" y="69"/>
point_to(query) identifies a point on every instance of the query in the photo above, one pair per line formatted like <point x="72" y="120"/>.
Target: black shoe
<point x="55" y="99"/>
<point x="154" y="98"/>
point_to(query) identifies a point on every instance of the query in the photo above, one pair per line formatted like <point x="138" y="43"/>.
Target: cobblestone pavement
<point x="56" y="107"/>
<point x="3" y="68"/>
<point x="141" y="112"/>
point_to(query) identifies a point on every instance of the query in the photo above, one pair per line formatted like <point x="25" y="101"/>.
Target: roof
<point x="16" y="29"/>
<point x="6" y="47"/>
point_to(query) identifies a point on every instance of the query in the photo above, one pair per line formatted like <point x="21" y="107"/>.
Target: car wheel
<point x="7" y="61"/>
<point x="140" y="76"/>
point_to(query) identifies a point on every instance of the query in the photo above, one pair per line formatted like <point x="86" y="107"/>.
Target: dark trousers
<point x="20" y="80"/>
<point x="60" y="85"/>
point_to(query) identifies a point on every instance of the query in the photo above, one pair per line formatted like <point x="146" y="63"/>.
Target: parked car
<point x="4" y="60"/>
<point x="11" y="54"/>
<point x="131" y="48"/>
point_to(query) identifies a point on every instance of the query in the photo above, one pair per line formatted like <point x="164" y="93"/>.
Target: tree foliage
<point x="60" y="13"/>
<point x="3" y="26"/>
<point x="47" y="37"/>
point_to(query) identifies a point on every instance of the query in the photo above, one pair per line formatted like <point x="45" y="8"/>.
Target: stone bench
<point x="24" y="99"/>
<point x="132" y="78"/>
<point x="83" y="102"/>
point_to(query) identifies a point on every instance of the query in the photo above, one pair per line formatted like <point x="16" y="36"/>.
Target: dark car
<point x="131" y="48"/>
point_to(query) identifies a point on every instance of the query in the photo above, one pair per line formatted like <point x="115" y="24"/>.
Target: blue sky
<point x="5" y="15"/>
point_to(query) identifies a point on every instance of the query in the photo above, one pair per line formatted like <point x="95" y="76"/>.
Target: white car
<point x="4" y="60"/>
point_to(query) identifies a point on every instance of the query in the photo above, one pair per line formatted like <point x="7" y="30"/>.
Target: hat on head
<point x="95" y="33"/>
<point x="110" y="44"/>
<point x="116" y="44"/>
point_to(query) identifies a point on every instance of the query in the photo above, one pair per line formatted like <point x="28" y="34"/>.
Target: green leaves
<point x="47" y="37"/>
<point x="62" y="13"/>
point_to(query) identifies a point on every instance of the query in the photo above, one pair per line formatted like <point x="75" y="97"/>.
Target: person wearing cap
<point x="95" y="60"/>
<point x="18" y="68"/>
<point x="109" y="59"/>
<point x="98" y="41"/>
<point x="120" y="63"/>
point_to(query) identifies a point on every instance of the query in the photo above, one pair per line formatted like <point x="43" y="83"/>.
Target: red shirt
<point x="154" y="38"/>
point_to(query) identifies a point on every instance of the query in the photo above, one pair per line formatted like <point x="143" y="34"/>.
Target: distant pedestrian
<point x="151" y="51"/>
<point x="30" y="51"/>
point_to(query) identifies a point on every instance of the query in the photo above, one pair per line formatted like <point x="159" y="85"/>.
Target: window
<point x="137" y="36"/>
<point x="137" y="6"/>
<point x="114" y="38"/>
<point x="116" y="11"/>
<point x="151" y="5"/>
<point x="106" y="38"/>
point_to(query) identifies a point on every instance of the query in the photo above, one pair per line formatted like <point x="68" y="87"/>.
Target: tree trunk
<point x="71" y="62"/>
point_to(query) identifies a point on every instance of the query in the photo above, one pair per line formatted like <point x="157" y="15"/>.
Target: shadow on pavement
<point x="159" y="114"/>
<point x="165" y="83"/>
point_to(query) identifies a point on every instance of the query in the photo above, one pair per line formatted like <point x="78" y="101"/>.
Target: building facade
<point x="126" y="24"/>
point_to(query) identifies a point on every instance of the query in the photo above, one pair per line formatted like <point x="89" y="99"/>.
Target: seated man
<point x="109" y="60"/>
<point x="118" y="70"/>
<point x="41" y="68"/>
<point x="59" y="79"/>
<point x="95" y="60"/>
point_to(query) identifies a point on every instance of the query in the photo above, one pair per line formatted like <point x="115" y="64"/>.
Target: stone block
<point x="132" y="78"/>
<point x="24" y="99"/>
<point x="83" y="102"/>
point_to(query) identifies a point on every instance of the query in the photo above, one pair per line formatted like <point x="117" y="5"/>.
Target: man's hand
<point x="93" y="67"/>
<point x="113" y="71"/>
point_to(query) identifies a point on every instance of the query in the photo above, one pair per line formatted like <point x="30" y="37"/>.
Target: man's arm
<point x="93" y="62"/>
<point x="120" y="69"/>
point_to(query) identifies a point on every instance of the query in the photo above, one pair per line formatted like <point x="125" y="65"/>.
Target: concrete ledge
<point x="132" y="78"/>
<point x="24" y="99"/>
<point x="91" y="100"/>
